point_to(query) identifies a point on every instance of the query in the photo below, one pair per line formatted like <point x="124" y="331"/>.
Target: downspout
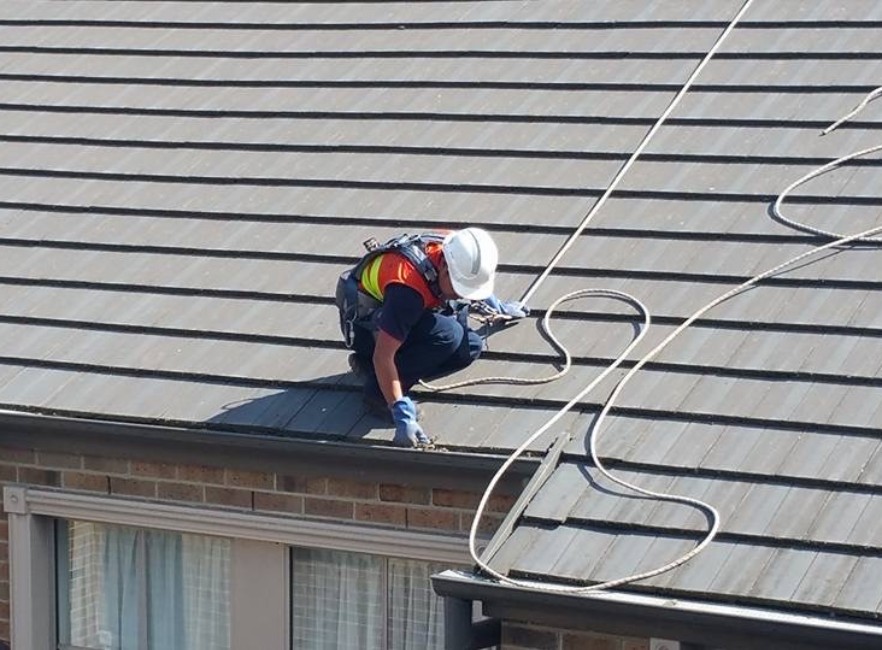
<point x="461" y="633"/>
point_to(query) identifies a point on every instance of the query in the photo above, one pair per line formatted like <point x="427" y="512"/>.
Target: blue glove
<point x="408" y="432"/>
<point x="513" y="308"/>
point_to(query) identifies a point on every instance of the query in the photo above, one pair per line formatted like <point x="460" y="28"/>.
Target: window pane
<point x="128" y="589"/>
<point x="416" y="613"/>
<point x="337" y="600"/>
<point x="206" y="592"/>
<point x="342" y="601"/>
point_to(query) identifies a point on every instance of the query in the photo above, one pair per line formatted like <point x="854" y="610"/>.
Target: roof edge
<point x="730" y="626"/>
<point x="282" y="454"/>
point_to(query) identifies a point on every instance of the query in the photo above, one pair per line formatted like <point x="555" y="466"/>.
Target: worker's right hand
<point x="408" y="432"/>
<point x="499" y="311"/>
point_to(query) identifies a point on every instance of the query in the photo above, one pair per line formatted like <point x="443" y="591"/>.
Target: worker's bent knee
<point x="443" y="334"/>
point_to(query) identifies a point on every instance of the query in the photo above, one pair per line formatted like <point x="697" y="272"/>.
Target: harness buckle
<point x="349" y="333"/>
<point x="370" y="244"/>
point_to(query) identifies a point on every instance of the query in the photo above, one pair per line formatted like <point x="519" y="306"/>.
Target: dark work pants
<point x="436" y="345"/>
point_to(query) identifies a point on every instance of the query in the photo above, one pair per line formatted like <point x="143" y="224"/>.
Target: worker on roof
<point x="396" y="316"/>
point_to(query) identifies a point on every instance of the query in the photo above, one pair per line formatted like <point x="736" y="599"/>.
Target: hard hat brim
<point x="470" y="291"/>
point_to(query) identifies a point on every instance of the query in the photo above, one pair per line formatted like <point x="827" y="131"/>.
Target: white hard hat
<point x="471" y="258"/>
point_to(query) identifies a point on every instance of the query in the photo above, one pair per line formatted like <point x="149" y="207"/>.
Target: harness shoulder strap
<point x="412" y="247"/>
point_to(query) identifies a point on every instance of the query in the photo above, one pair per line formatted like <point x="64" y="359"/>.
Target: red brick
<point x="245" y="479"/>
<point x="455" y="499"/>
<point x="4" y="631"/>
<point x="590" y="642"/>
<point x="278" y="502"/>
<point x="489" y="523"/>
<point x="381" y="513"/>
<point x="133" y="487"/>
<point x="328" y="508"/>
<point x="4" y="610"/>
<point x="4" y="591"/>
<point x="635" y="644"/>
<point x="405" y="494"/>
<point x="502" y="503"/>
<point x="4" y="567"/>
<point x="514" y="635"/>
<point x="153" y="470"/>
<point x="351" y="489"/>
<point x="59" y="460"/>
<point x="17" y="455"/>
<point x="302" y="485"/>
<point x="229" y="497"/>
<point x="316" y="486"/>
<point x="8" y="474"/>
<point x="179" y="491"/>
<point x="432" y="518"/>
<point x="4" y="530"/>
<point x="201" y="474"/>
<point x="291" y="484"/>
<point x="37" y="476"/>
<point x="470" y="500"/>
<point x="106" y="465"/>
<point x="83" y="481"/>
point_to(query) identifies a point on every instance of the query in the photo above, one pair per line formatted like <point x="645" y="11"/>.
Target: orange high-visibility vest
<point x="393" y="267"/>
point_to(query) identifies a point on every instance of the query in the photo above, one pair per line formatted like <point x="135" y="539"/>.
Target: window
<point x="353" y="600"/>
<point x="109" y="573"/>
<point x="123" y="588"/>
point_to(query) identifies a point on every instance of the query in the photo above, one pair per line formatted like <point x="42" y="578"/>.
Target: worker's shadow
<point x="323" y="408"/>
<point x="329" y="408"/>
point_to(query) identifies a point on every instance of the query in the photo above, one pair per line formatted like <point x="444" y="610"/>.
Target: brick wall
<point x="384" y="504"/>
<point x="530" y="637"/>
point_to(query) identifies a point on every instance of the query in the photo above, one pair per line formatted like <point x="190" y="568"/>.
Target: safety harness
<point x="357" y="307"/>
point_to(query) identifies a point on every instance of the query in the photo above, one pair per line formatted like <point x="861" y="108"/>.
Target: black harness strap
<point x="355" y="306"/>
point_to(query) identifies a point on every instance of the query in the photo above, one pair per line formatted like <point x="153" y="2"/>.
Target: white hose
<point x="837" y="240"/>
<point x="617" y="179"/>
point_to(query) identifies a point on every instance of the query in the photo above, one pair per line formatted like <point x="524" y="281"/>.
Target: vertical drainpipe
<point x="460" y="633"/>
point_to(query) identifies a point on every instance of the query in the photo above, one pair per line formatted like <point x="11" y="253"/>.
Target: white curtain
<point x="206" y="592"/>
<point x="130" y="589"/>
<point x="416" y="613"/>
<point x="337" y="601"/>
<point x="162" y="588"/>
<point x="85" y="579"/>
<point x="350" y="601"/>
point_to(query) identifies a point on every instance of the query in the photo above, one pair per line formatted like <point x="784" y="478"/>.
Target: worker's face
<point x="444" y="284"/>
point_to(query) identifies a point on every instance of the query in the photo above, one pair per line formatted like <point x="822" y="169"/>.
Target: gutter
<point x="258" y="451"/>
<point x="707" y="624"/>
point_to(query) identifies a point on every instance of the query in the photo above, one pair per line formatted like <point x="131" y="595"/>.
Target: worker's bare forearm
<point x="385" y="368"/>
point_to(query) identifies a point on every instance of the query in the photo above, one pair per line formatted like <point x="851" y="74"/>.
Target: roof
<point x="181" y="183"/>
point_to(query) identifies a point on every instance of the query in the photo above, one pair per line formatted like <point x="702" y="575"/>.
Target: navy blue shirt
<point x="402" y="308"/>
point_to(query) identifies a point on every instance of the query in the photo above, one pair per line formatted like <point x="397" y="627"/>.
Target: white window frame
<point x="260" y="541"/>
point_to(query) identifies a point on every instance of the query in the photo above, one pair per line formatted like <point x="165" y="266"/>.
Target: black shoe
<point x="356" y="366"/>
